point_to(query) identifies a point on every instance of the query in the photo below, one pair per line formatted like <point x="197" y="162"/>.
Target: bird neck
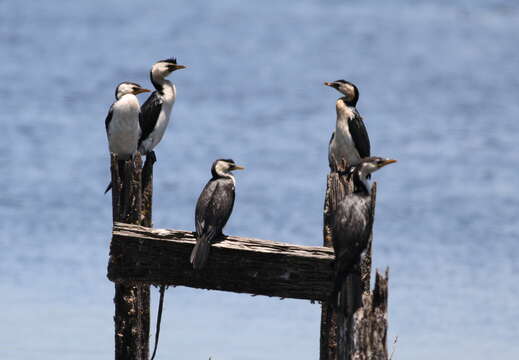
<point x="224" y="175"/>
<point x="160" y="82"/>
<point x="350" y="102"/>
<point x="360" y="181"/>
<point x="344" y="112"/>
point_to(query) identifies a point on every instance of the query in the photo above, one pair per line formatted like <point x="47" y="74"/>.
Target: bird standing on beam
<point x="156" y="111"/>
<point x="352" y="220"/>
<point x="213" y="209"/>
<point x="122" y="122"/>
<point x="349" y="142"/>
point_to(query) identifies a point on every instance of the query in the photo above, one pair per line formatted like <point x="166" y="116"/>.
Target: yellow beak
<point x="238" y="167"/>
<point x="141" y="90"/>
<point x="388" y="161"/>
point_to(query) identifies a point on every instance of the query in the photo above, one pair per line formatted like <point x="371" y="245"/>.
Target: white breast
<point x="342" y="146"/>
<point x="169" y="96"/>
<point x="124" y="130"/>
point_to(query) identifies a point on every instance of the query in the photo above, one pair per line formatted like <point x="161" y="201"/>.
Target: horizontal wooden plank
<point x="244" y="265"/>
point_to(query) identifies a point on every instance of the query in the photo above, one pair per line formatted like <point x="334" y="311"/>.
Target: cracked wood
<point x="244" y="265"/>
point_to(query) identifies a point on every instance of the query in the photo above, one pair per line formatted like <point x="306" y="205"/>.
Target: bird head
<point x="127" y="87"/>
<point x="164" y="68"/>
<point x="223" y="167"/>
<point x="370" y="165"/>
<point x="350" y="91"/>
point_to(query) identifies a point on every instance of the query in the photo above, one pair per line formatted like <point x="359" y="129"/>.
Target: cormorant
<point x="156" y="110"/>
<point x="122" y="121"/>
<point x="213" y="209"/>
<point x="349" y="142"/>
<point x="352" y="218"/>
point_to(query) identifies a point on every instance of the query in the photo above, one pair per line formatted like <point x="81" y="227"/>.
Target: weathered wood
<point x="146" y="220"/>
<point x="130" y="315"/>
<point x="328" y="342"/>
<point x="151" y="256"/>
<point x="369" y="324"/>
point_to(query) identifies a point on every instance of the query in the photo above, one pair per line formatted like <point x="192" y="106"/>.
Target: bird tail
<point x="108" y="187"/>
<point x="200" y="253"/>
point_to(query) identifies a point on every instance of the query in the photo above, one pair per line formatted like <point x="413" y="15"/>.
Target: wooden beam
<point x="142" y="255"/>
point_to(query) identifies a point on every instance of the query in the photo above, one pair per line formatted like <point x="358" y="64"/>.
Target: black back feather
<point x="150" y="111"/>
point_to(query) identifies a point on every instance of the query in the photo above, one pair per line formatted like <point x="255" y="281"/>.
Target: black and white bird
<point x="352" y="219"/>
<point x="156" y="111"/>
<point x="213" y="209"/>
<point x="122" y="122"/>
<point x="349" y="142"/>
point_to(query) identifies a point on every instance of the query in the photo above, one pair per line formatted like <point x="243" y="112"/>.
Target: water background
<point x="439" y="92"/>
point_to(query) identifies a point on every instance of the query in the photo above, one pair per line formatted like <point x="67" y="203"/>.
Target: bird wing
<point x="331" y="161"/>
<point x="359" y="135"/>
<point x="109" y="118"/>
<point x="150" y="111"/>
<point x="351" y="226"/>
<point x="214" y="208"/>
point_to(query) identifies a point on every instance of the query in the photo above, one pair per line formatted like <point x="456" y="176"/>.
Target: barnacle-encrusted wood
<point x="244" y="265"/>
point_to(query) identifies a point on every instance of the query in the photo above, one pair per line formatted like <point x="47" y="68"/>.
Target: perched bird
<point x="213" y="209"/>
<point x="349" y="142"/>
<point x="352" y="219"/>
<point x="156" y="110"/>
<point x="122" y="122"/>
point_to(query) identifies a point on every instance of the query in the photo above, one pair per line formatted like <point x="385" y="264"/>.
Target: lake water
<point x="438" y="91"/>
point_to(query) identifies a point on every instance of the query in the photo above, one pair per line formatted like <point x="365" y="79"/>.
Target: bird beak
<point x="387" y="162"/>
<point x="329" y="83"/>
<point x="178" y="67"/>
<point x="238" y="167"/>
<point x="141" y="90"/>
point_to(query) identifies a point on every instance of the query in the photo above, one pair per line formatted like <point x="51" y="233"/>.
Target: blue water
<point x="438" y="84"/>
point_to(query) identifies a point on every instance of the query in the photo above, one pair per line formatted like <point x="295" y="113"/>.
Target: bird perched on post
<point x="122" y="122"/>
<point x="156" y="111"/>
<point x="353" y="218"/>
<point x="213" y="209"/>
<point x="349" y="142"/>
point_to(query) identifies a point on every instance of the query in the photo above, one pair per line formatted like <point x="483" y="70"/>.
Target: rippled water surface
<point x="439" y="90"/>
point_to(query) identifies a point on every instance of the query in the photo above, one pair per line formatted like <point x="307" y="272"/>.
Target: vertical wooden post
<point x="130" y="308"/>
<point x="328" y="315"/>
<point x="146" y="220"/>
<point x="337" y="187"/>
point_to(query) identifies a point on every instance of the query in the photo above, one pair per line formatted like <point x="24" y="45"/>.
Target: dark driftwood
<point x="369" y="325"/>
<point x="244" y="265"/>
<point x="131" y="310"/>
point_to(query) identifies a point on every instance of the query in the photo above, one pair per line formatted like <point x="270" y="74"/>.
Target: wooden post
<point x="146" y="220"/>
<point x="131" y="311"/>
<point x="369" y="324"/>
